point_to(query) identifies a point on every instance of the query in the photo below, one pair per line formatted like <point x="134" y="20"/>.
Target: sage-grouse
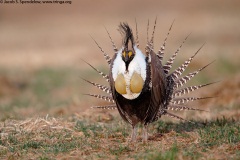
<point x="141" y="87"/>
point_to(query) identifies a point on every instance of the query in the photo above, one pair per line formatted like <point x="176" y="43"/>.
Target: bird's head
<point x="127" y="56"/>
<point x="128" y="51"/>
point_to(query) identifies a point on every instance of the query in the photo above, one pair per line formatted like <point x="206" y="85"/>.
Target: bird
<point x="141" y="87"/>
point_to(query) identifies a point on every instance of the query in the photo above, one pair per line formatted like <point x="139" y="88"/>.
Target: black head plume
<point x="127" y="34"/>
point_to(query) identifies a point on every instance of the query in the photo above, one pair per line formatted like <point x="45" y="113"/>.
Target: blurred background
<point x="41" y="47"/>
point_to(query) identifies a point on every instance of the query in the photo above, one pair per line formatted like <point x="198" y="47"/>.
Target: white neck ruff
<point x="138" y="65"/>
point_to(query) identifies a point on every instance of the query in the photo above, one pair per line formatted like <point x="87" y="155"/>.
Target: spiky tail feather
<point x="113" y="44"/>
<point x="189" y="89"/>
<point x="106" y="77"/>
<point x="110" y="107"/>
<point x="137" y="40"/>
<point x="106" y="56"/>
<point x="160" y="53"/>
<point x="180" y="82"/>
<point x="182" y="107"/>
<point x="152" y="38"/>
<point x="187" y="99"/>
<point x="167" y="67"/>
<point x="105" y="98"/>
<point x="182" y="68"/>
<point x="174" y="116"/>
<point x="101" y="87"/>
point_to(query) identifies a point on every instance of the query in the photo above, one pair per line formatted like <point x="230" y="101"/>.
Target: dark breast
<point x="134" y="109"/>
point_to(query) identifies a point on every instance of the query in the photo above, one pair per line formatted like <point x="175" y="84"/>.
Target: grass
<point x="47" y="91"/>
<point x="51" y="138"/>
<point x="79" y="132"/>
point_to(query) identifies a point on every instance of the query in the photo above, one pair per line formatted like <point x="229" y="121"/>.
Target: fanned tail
<point x="174" y="101"/>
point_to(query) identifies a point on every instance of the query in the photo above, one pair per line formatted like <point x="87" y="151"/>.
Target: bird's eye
<point x="130" y="54"/>
<point x="124" y="54"/>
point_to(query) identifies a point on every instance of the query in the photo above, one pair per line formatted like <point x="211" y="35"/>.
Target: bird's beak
<point x="126" y="58"/>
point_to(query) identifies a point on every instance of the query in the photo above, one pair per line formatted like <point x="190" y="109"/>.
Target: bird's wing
<point x="158" y="90"/>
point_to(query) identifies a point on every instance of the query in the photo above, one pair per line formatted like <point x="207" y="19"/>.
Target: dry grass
<point x="95" y="134"/>
<point x="47" y="138"/>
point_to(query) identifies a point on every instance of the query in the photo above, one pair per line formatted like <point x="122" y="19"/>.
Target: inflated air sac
<point x="120" y="84"/>
<point x="136" y="83"/>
